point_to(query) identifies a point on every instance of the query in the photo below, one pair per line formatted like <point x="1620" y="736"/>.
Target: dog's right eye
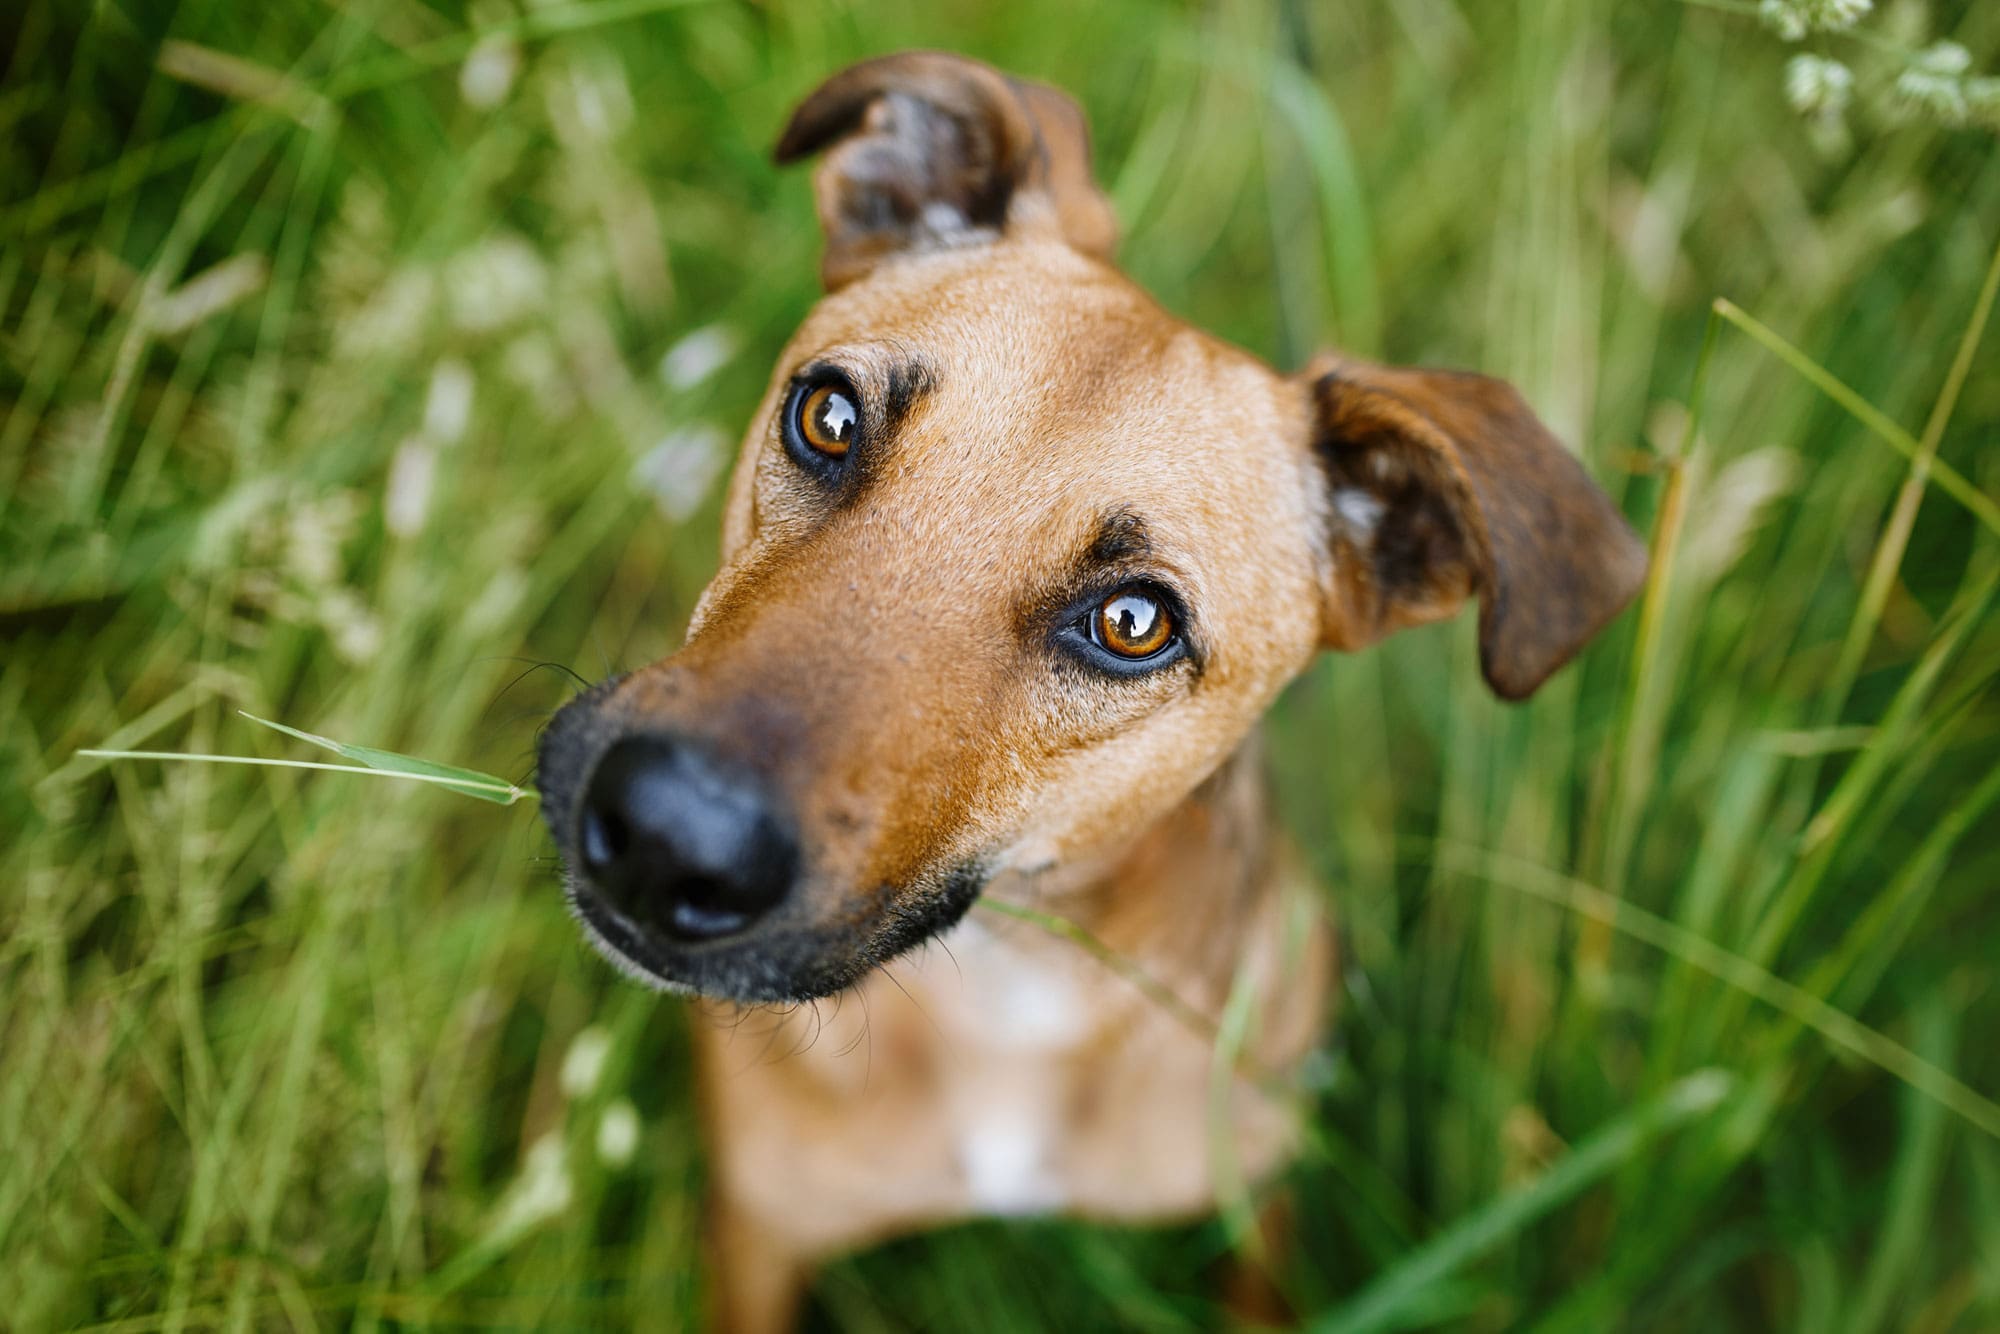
<point x="822" y="423"/>
<point x="826" y="420"/>
<point x="1133" y="624"/>
<point x="1134" y="630"/>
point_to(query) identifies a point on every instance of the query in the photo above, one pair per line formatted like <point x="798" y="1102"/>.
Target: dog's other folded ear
<point x="927" y="149"/>
<point x="1443" y="486"/>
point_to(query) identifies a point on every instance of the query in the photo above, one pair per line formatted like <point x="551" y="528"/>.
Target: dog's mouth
<point x="776" y="962"/>
<point x="621" y="941"/>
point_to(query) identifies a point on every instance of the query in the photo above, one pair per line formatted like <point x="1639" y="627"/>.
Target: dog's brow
<point x="1121" y="538"/>
<point x="909" y="380"/>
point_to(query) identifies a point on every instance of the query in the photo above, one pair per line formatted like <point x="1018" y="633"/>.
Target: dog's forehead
<point x="1044" y="371"/>
<point x="1062" y="412"/>
<point x="950" y="291"/>
<point x="1035" y="328"/>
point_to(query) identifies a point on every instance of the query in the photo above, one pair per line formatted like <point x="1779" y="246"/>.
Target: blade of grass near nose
<point x="471" y="782"/>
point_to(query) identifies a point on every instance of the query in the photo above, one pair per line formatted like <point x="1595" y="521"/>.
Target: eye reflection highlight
<point x="1133" y="624"/>
<point x="827" y="419"/>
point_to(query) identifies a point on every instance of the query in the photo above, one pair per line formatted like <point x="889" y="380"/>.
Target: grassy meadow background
<point x="356" y="357"/>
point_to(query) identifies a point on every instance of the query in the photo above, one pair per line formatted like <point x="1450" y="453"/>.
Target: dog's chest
<point x="1011" y="1021"/>
<point x="995" y="1074"/>
<point x="1004" y="994"/>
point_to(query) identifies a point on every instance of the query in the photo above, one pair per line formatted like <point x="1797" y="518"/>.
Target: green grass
<point x="1672" y="993"/>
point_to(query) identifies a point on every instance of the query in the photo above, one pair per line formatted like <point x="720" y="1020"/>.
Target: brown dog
<point x="1012" y="563"/>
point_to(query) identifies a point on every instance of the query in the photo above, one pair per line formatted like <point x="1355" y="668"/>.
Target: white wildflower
<point x="593" y="103"/>
<point x="618" y="1133"/>
<point x="583" y="1063"/>
<point x="495" y="282"/>
<point x="1934" y="84"/>
<point x="356" y="632"/>
<point x="489" y="71"/>
<point x="1947" y="59"/>
<point x="1818" y="87"/>
<point x="1839" y="15"/>
<point x="542" y="1191"/>
<point x="407" y="498"/>
<point x="1784" y="17"/>
<point x="314" y="535"/>
<point x="1820" y="90"/>
<point x="1793" y="19"/>
<point x="391" y="318"/>
<point x="697" y="356"/>
<point x="680" y="469"/>
<point x="1734" y="504"/>
<point x="448" y="404"/>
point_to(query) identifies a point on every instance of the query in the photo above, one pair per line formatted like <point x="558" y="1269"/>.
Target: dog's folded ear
<point x="1444" y="486"/>
<point x="927" y="149"/>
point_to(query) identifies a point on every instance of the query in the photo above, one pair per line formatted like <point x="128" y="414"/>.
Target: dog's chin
<point x="774" y="963"/>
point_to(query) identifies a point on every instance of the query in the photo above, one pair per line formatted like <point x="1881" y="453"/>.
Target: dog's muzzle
<point x="691" y="870"/>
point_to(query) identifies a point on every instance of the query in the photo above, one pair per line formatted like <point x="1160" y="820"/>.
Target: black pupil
<point x="1132" y="618"/>
<point x="834" y="418"/>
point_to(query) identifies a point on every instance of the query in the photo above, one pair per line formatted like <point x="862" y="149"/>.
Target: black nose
<point x="682" y="842"/>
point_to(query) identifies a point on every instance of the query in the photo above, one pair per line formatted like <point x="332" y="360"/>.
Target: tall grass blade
<point x="1949" y="479"/>
<point x="1895" y="538"/>
<point x="386" y="763"/>
<point x="1843" y="1030"/>
<point x="1412" y="1280"/>
<point x="389" y="761"/>
<point x="1913" y="1185"/>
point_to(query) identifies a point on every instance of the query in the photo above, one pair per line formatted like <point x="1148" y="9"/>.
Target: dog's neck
<point x="1179" y="896"/>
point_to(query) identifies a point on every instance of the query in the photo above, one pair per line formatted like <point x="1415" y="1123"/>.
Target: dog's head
<point x="1012" y="561"/>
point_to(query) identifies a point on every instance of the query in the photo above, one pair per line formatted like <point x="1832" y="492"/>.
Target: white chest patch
<point x="1006" y="1172"/>
<point x="1013" y="997"/>
<point x="1012" y="1011"/>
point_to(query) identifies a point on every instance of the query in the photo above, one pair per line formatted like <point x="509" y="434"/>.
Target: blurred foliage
<point x="356" y="357"/>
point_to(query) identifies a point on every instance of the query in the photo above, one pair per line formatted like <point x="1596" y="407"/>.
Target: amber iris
<point x="827" y="419"/>
<point x="1133" y="624"/>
